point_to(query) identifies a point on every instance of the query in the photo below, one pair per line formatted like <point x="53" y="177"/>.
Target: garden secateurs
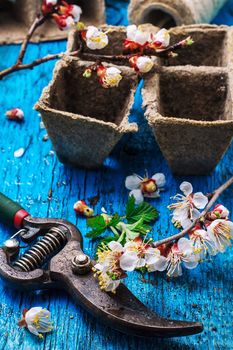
<point x="56" y="260"/>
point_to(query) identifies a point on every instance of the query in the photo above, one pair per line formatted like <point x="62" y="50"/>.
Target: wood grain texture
<point x="204" y="294"/>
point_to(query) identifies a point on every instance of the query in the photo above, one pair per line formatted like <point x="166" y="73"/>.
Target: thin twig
<point x="214" y="197"/>
<point x="37" y="23"/>
<point x="35" y="63"/>
<point x="126" y="55"/>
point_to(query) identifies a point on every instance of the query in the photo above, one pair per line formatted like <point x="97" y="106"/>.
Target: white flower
<point x="108" y="267"/>
<point x="75" y="12"/>
<point x="110" y="77"/>
<point x="95" y="38"/>
<point x="145" y="187"/>
<point x="185" y="210"/>
<point x="138" y="254"/>
<point x="107" y="283"/>
<point x="181" y="253"/>
<point x="144" y="64"/>
<point x="135" y="34"/>
<point x="37" y="320"/>
<point x="221" y="232"/>
<point x="161" y="39"/>
<point x="155" y="261"/>
<point x="203" y="244"/>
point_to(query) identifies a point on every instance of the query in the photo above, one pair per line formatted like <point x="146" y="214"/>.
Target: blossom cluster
<point x="136" y="42"/>
<point x="65" y="15"/>
<point x="208" y="235"/>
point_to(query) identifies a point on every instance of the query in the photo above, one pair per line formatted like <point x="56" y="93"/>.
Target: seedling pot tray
<point x="15" y="19"/>
<point x="83" y="119"/>
<point x="189" y="107"/>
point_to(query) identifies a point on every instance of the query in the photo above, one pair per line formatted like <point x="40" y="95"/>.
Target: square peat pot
<point x="17" y="16"/>
<point x="210" y="46"/>
<point x="190" y="112"/>
<point x="83" y="119"/>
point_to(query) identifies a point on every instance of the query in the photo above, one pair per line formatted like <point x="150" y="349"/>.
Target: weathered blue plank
<point x="204" y="294"/>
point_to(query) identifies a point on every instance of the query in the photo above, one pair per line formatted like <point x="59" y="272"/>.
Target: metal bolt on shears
<point x="57" y="260"/>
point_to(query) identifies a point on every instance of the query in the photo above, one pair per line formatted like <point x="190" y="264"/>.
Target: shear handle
<point x="11" y="213"/>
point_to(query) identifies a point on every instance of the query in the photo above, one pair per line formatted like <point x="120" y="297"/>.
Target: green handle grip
<point x="8" y="210"/>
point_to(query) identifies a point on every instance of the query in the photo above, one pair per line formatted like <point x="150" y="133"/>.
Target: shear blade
<point x="122" y="311"/>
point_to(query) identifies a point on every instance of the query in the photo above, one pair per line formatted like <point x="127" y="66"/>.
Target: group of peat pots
<point x="188" y="104"/>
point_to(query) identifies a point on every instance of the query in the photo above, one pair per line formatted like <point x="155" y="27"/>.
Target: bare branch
<point x="181" y="234"/>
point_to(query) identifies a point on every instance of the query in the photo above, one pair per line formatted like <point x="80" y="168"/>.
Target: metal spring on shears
<point x="36" y="256"/>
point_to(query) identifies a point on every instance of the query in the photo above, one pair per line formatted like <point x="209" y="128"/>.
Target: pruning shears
<point x="56" y="260"/>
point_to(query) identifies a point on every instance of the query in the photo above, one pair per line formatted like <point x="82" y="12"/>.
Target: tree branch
<point x="37" y="62"/>
<point x="181" y="234"/>
<point x="37" y="23"/>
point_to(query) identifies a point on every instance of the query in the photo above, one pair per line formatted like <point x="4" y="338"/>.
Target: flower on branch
<point x="221" y="232"/>
<point x="136" y="38"/>
<point x="109" y="77"/>
<point x="145" y="187"/>
<point x="37" y="321"/>
<point x="108" y="268"/>
<point x="160" y="40"/>
<point x="141" y="64"/>
<point x="95" y="38"/>
<point x="15" y="114"/>
<point x="203" y="244"/>
<point x="181" y="253"/>
<point x="185" y="210"/>
<point x="65" y="15"/>
<point x="138" y="254"/>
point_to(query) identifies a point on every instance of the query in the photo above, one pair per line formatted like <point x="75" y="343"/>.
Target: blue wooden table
<point x="204" y="294"/>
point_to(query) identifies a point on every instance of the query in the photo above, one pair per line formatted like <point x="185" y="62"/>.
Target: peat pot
<point x="17" y="16"/>
<point x="83" y="119"/>
<point x="189" y="107"/>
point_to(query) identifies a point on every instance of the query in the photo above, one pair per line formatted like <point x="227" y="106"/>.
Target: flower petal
<point x="137" y="195"/>
<point x="116" y="246"/>
<point x="190" y="264"/>
<point x="185" y="245"/>
<point x="132" y="182"/>
<point x="131" y="32"/>
<point x="128" y="261"/>
<point x="141" y="263"/>
<point x="159" y="179"/>
<point x="200" y="200"/>
<point x="186" y="188"/>
<point x="33" y="330"/>
<point x="160" y="265"/>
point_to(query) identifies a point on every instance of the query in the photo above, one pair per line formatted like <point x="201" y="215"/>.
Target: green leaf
<point x="143" y="210"/>
<point x="114" y="221"/>
<point x="96" y="222"/>
<point x="98" y="226"/>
